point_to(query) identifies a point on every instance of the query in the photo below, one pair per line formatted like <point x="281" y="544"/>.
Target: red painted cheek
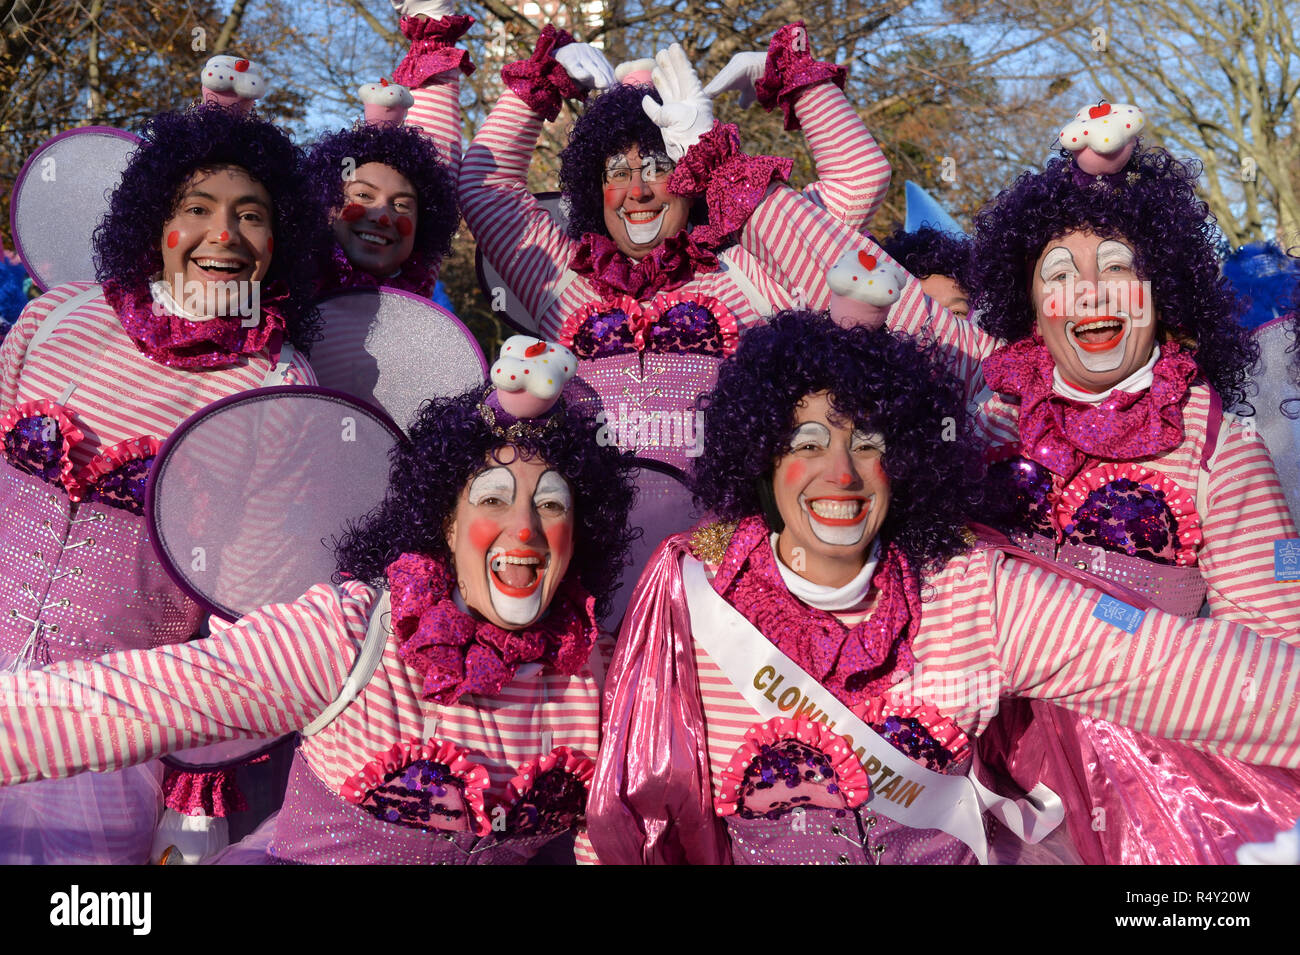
<point x="404" y="226"/>
<point x="173" y="238"/>
<point x="483" y="533"/>
<point x="559" y="537"/>
<point x="794" y="474"/>
<point x="352" y="212"/>
<point x="614" y="197"/>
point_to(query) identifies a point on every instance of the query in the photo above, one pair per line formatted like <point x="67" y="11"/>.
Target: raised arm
<point x="852" y="172"/>
<point x="269" y="674"/>
<point x="796" y="242"/>
<point x="514" y="232"/>
<point x="1210" y="683"/>
<point x="431" y="70"/>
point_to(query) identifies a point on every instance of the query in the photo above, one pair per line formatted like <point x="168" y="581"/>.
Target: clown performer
<point x="804" y="678"/>
<point x="205" y="266"/>
<point x="1107" y="410"/>
<point x="444" y="688"/>
<point x="645" y="282"/>
<point x="392" y="187"/>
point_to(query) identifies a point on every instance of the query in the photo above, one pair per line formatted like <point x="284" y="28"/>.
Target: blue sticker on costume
<point x="1118" y="614"/>
<point x="1286" y="559"/>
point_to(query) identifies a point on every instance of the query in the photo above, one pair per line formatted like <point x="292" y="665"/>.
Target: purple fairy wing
<point x="395" y="350"/>
<point x="248" y="495"/>
<point x="59" y="198"/>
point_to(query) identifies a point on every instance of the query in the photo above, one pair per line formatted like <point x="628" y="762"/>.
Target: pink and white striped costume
<point x="79" y="576"/>
<point x="531" y="252"/>
<point x="1232" y="510"/>
<point x="274" y="672"/>
<point x="992" y="627"/>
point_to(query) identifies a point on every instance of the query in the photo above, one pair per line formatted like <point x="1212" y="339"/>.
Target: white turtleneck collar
<point x="1135" y="383"/>
<point x="829" y="598"/>
<point x="163" y="298"/>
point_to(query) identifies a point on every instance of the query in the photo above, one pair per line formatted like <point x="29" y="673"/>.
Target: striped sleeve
<point x="1245" y="513"/>
<point x="1210" y="683"/>
<point x="797" y="242"/>
<point x="852" y="171"/>
<point x="269" y="674"/>
<point x="13" y="352"/>
<point x="436" y="113"/>
<point x="513" y="231"/>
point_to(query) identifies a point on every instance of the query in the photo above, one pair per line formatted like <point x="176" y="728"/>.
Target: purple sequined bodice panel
<point x="840" y="837"/>
<point x="318" y="827"/>
<point x="1124" y="522"/>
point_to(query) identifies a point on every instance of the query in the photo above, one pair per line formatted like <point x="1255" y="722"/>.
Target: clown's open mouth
<point x="643" y="225"/>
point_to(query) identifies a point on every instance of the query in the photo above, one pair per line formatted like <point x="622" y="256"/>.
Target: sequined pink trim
<point x="475" y="778"/>
<point x="433" y="49"/>
<point x="209" y="793"/>
<point x="69" y="434"/>
<point x="944" y="731"/>
<point x="124" y="452"/>
<point x="573" y="763"/>
<point x="642" y="317"/>
<point x="790" y="71"/>
<point x="732" y="182"/>
<point x="1181" y="503"/>
<point x="849" y="775"/>
<point x="540" y="81"/>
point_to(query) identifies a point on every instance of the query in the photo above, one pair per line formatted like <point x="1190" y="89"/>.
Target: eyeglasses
<point x="654" y="169"/>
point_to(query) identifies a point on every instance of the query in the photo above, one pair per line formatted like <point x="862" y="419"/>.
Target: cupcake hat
<point x="1103" y="137"/>
<point x="385" y="102"/>
<point x="232" y="82"/>
<point x="863" y="287"/>
<point x="527" y="380"/>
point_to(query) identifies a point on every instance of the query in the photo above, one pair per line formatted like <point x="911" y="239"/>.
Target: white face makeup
<point x="832" y="493"/>
<point x="1094" y="313"/>
<point x="512" y="540"/>
<point x="640" y="212"/>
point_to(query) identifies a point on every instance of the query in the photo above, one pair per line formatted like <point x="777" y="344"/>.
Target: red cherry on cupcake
<point x="868" y="261"/>
<point x="1097" y="112"/>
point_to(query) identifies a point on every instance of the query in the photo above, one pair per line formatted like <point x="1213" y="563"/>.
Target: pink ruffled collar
<point x="677" y="261"/>
<point x="178" y="342"/>
<point x="853" y="664"/>
<point x="411" y="277"/>
<point x="457" y="653"/>
<point x="1062" y="434"/>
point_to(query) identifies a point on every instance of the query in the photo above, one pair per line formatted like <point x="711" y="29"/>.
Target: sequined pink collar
<point x="853" y="664"/>
<point x="1062" y="435"/>
<point x="196" y="346"/>
<point x="411" y="277"/>
<point x="677" y="261"/>
<point x="457" y="653"/>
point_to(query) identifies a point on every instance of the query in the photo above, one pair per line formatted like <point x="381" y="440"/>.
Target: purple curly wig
<point x="613" y="123"/>
<point x="1173" y="237"/>
<point x="883" y="382"/>
<point x="927" y="252"/>
<point x="174" y="146"/>
<point x="450" y="443"/>
<point x="407" y="150"/>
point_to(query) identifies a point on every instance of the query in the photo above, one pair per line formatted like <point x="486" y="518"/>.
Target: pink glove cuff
<point x="433" y="49"/>
<point x="790" y="71"/>
<point x="731" y="182"/>
<point x="540" y="81"/>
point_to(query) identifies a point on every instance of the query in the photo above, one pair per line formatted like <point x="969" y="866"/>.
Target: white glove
<point x="586" y="66"/>
<point x="744" y="70"/>
<point x="433" y="9"/>
<point x="686" y="113"/>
